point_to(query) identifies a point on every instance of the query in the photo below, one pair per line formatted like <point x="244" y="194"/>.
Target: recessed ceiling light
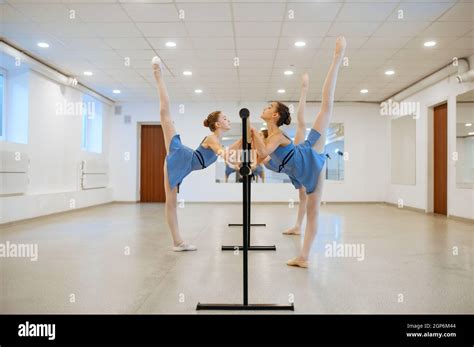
<point x="187" y="73"/>
<point x="198" y="91"/>
<point x="288" y="72"/>
<point x="468" y="124"/>
<point x="88" y="73"/>
<point x="364" y="91"/>
<point x="471" y="133"/>
<point x="170" y="44"/>
<point x="116" y="91"/>
<point x="43" y="44"/>
<point x="430" y="43"/>
<point x="300" y="43"/>
<point x="281" y="91"/>
<point x="389" y="72"/>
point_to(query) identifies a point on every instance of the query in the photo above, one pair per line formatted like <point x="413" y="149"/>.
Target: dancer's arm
<point x="265" y="149"/>
<point x="300" y="125"/>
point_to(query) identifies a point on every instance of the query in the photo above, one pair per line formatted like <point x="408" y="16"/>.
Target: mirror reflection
<point x="465" y="140"/>
<point x="228" y="173"/>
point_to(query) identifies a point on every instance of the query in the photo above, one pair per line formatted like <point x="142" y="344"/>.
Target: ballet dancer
<point x="181" y="160"/>
<point x="304" y="162"/>
<point x="299" y="138"/>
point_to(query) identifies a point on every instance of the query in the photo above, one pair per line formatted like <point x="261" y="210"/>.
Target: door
<point x="152" y="158"/>
<point x="440" y="159"/>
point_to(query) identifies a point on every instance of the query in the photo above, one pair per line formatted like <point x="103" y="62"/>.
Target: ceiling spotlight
<point x="116" y="91"/>
<point x="198" y="91"/>
<point x="471" y="133"/>
<point x="288" y="72"/>
<point x="300" y="43"/>
<point x="468" y="124"/>
<point x="364" y="91"/>
<point x="43" y="44"/>
<point x="187" y="73"/>
<point x="281" y="91"/>
<point x="170" y="44"/>
<point x="88" y="73"/>
<point x="430" y="43"/>
<point x="389" y="72"/>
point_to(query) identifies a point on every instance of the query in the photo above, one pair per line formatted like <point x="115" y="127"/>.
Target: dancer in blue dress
<point x="181" y="160"/>
<point x="304" y="162"/>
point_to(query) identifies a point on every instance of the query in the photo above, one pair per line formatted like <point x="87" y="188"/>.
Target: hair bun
<point x="206" y="123"/>
<point x="288" y="120"/>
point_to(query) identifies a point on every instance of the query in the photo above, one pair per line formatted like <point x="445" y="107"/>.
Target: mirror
<point x="465" y="140"/>
<point x="334" y="164"/>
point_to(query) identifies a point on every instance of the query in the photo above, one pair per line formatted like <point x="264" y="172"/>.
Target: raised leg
<point x="327" y="103"/>
<point x="165" y="117"/>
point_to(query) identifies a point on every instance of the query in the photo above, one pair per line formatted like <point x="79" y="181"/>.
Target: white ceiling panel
<point x="462" y="11"/>
<point x="217" y="12"/>
<point x="177" y="29"/>
<point x="205" y="29"/>
<point x="350" y="29"/>
<point x="261" y="34"/>
<point x="418" y="11"/>
<point x="252" y="29"/>
<point x="258" y="12"/>
<point x="365" y="12"/>
<point x="100" y="12"/>
<point x="312" y="12"/>
<point x="152" y="12"/>
<point x="305" y="29"/>
<point x="256" y="43"/>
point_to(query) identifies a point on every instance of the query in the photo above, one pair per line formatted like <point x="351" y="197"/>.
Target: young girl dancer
<point x="304" y="162"/>
<point x="181" y="160"/>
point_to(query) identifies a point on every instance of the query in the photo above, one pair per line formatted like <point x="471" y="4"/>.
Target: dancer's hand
<point x="340" y="47"/>
<point x="305" y="81"/>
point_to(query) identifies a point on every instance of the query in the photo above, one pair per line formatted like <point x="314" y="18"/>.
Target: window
<point x="91" y="124"/>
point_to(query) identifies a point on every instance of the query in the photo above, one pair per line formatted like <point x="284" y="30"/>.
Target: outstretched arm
<point x="265" y="149"/>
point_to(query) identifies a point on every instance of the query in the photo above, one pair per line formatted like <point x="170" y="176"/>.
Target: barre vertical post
<point x="245" y="171"/>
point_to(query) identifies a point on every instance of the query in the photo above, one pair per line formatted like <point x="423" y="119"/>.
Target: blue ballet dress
<point x="229" y="170"/>
<point x="182" y="160"/>
<point x="258" y="171"/>
<point x="300" y="162"/>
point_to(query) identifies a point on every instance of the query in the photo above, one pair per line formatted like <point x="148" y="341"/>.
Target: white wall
<point x="366" y="171"/>
<point x="54" y="149"/>
<point x="460" y="201"/>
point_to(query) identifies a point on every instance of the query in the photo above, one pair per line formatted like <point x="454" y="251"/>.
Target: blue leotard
<point x="258" y="171"/>
<point x="229" y="170"/>
<point x="182" y="160"/>
<point x="300" y="162"/>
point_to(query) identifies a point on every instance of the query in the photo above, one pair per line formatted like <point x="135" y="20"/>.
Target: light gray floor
<point x="83" y="253"/>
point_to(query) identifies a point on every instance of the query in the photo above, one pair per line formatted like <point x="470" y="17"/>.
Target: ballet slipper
<point x="297" y="262"/>
<point x="157" y="68"/>
<point x="183" y="247"/>
<point x="292" y="231"/>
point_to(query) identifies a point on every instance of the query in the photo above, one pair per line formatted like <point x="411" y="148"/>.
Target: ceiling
<point x="261" y="34"/>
